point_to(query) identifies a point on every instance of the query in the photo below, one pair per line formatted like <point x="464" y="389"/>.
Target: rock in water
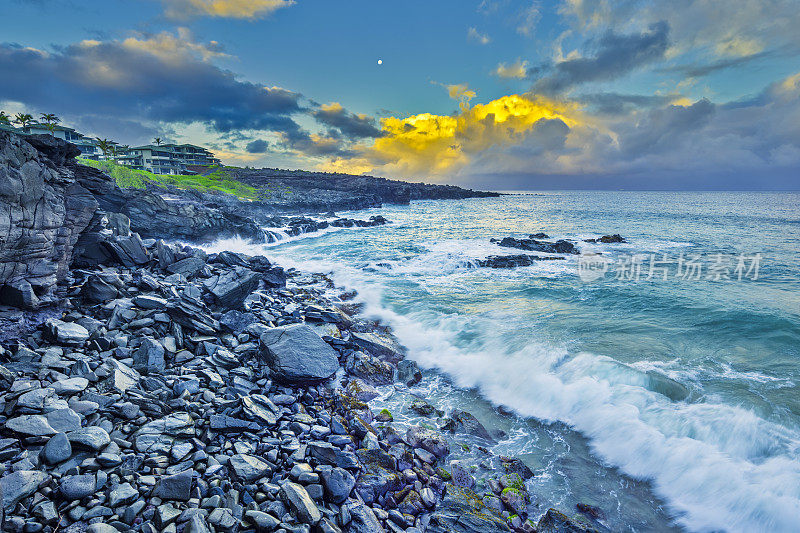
<point x="297" y="355"/>
<point x="463" y="511"/>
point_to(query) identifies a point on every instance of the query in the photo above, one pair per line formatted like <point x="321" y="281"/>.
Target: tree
<point x="23" y="119"/>
<point x="106" y="146"/>
<point x="158" y="141"/>
<point x="51" y="128"/>
<point x="4" y="118"/>
<point x="50" y="118"/>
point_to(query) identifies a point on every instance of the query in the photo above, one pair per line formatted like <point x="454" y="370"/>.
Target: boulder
<point x="149" y="357"/>
<point x="300" y="503"/>
<point x="428" y="439"/>
<point x="297" y="355"/>
<point x="19" y="293"/>
<point x="248" y="468"/>
<point x="338" y="483"/>
<point x="97" y="290"/>
<point x="19" y="485"/>
<point x="408" y="372"/>
<point x="463" y="511"/>
<point x="67" y="333"/>
<point x="231" y="288"/>
<point x="189" y="267"/>
<point x="381" y="345"/>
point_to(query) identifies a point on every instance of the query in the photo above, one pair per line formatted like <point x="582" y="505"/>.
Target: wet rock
<point x="513" y="465"/>
<point x="408" y="372"/>
<point x="427" y="439"/>
<point x="369" y="368"/>
<point x="461" y="476"/>
<point x="297" y="355"/>
<point x="607" y="239"/>
<point x="467" y="423"/>
<point x="338" y="483"/>
<point x="300" y="502"/>
<point x="514" y="261"/>
<point x="558" y="247"/>
<point x="378" y="344"/>
<point x="555" y="521"/>
<point x="463" y="511"/>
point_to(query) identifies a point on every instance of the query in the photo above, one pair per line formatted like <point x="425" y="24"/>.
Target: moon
<point x="380" y="61"/>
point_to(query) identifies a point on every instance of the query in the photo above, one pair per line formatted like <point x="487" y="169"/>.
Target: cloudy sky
<point x="501" y="94"/>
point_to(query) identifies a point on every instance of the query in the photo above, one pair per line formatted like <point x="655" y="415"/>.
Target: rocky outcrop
<point x="46" y="202"/>
<point x="513" y="261"/>
<point x="558" y="247"/>
<point x="154" y="217"/>
<point x="298" y="191"/>
<point x="607" y="239"/>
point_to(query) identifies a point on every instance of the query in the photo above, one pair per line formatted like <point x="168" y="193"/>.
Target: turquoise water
<point x="670" y="404"/>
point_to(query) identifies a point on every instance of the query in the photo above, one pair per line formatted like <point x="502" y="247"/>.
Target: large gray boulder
<point x="19" y="485"/>
<point x="297" y="355"/>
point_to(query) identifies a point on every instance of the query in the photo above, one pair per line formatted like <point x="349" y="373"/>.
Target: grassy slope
<point x="218" y="180"/>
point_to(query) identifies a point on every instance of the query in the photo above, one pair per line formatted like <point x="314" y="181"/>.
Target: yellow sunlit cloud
<point x="517" y="70"/>
<point x="247" y="9"/>
<point x="429" y="145"/>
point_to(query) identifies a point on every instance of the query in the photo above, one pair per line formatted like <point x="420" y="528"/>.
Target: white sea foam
<point x="719" y="467"/>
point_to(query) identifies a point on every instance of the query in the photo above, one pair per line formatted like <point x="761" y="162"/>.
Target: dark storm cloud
<point x="665" y="129"/>
<point x="616" y="103"/>
<point x="612" y="55"/>
<point x="259" y="146"/>
<point x="349" y="124"/>
<point x="143" y="80"/>
<point x="704" y="69"/>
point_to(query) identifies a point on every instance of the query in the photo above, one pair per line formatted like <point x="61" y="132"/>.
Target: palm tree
<point x="51" y="128"/>
<point x="4" y="118"/>
<point x="23" y="119"/>
<point x="158" y="141"/>
<point x="50" y="118"/>
<point x="106" y="146"/>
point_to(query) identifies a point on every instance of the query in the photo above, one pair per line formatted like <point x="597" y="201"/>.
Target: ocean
<point x="655" y="379"/>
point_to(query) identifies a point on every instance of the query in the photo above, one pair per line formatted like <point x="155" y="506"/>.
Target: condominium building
<point x="167" y="158"/>
<point x="87" y="146"/>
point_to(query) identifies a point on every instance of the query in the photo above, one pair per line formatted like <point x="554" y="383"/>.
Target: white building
<point x="167" y="158"/>
<point x="87" y="146"/>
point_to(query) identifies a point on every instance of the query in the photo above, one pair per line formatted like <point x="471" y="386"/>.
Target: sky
<point x="496" y="94"/>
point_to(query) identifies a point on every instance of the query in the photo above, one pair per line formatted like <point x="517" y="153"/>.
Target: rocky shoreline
<point x="150" y="386"/>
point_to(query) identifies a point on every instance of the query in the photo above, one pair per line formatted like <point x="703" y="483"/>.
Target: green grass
<point x="218" y="180"/>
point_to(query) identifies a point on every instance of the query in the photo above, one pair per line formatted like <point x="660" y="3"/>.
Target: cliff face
<point x="46" y="201"/>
